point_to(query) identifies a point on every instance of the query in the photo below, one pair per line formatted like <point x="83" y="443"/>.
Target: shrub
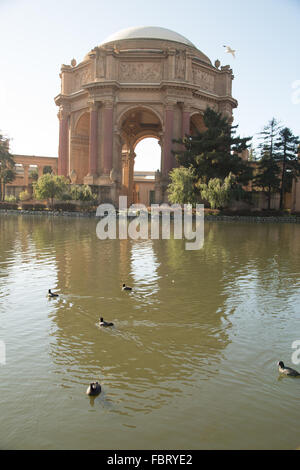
<point x="10" y="198"/>
<point x="66" y="197"/>
<point x="50" y="187"/>
<point x="82" y="193"/>
<point x="218" y="192"/>
<point x="181" y="190"/>
<point x="24" y="196"/>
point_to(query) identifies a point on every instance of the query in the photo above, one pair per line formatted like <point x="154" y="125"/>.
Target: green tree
<point x="268" y="137"/>
<point x="267" y="176"/>
<point x="218" y="192"/>
<point x="7" y="165"/>
<point x="213" y="153"/>
<point x="287" y="154"/>
<point x="50" y="187"/>
<point x="181" y="190"/>
<point x="81" y="193"/>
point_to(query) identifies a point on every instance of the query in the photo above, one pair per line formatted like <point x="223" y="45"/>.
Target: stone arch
<point x="79" y="155"/>
<point x="135" y="124"/>
<point x="77" y="118"/>
<point x="145" y="135"/>
<point x="129" y="108"/>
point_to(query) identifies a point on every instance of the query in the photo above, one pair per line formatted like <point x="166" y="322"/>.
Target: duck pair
<point x="51" y="295"/>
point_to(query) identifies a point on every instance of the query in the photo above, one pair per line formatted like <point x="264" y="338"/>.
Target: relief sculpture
<point x="204" y="79"/>
<point x="137" y="72"/>
<point x="180" y="65"/>
<point x="82" y="77"/>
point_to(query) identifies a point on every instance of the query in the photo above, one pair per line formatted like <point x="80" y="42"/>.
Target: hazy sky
<point x="37" y="36"/>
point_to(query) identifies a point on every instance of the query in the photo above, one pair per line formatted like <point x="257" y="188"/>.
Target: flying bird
<point x="230" y="51"/>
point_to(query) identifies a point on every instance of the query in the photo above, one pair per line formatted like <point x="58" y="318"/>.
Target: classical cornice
<point x="112" y="84"/>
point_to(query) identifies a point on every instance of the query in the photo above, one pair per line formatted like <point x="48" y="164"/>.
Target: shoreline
<point x="210" y="218"/>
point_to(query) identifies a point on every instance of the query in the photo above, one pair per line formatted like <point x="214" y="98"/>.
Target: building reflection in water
<point x="169" y="330"/>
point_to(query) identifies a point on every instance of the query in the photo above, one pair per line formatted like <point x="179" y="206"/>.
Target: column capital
<point x="170" y="104"/>
<point x="93" y="105"/>
<point x="186" y="107"/>
<point x="108" y="103"/>
<point x="171" y="51"/>
<point x="64" y="112"/>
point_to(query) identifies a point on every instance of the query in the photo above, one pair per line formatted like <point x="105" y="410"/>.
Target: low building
<point x="25" y="166"/>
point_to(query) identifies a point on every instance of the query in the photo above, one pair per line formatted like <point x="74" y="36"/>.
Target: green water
<point x="191" y="361"/>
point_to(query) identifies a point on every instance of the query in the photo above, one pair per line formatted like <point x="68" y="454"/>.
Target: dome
<point x="148" y="32"/>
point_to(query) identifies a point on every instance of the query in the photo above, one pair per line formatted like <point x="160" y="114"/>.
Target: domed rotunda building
<point x="140" y="82"/>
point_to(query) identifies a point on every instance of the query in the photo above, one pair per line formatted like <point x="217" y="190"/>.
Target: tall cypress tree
<point x="287" y="148"/>
<point x="213" y="153"/>
<point x="269" y="136"/>
<point x="267" y="176"/>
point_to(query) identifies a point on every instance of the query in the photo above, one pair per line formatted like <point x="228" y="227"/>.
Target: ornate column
<point x="108" y="137"/>
<point x="168" y="159"/>
<point x="189" y="67"/>
<point x="93" y="148"/>
<point x="158" y="188"/>
<point x="171" y="64"/>
<point x="131" y="158"/>
<point x="63" y="149"/>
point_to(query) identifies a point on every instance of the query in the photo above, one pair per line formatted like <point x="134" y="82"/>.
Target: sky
<point x="37" y="36"/>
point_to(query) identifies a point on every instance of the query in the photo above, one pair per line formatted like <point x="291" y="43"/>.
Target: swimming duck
<point x="93" y="389"/>
<point x="287" y="370"/>
<point x="51" y="294"/>
<point x="105" y="323"/>
<point x="126" y="287"/>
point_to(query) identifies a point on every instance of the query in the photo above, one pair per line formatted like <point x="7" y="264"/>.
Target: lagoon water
<point x="191" y="361"/>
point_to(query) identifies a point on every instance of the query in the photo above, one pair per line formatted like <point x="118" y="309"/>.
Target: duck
<point x="287" y="370"/>
<point x="93" y="389"/>
<point x="51" y="294"/>
<point x="124" y="287"/>
<point x="105" y="323"/>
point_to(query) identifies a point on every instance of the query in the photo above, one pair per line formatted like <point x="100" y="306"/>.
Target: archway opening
<point x="148" y="155"/>
<point x="79" y="159"/>
<point x="146" y="162"/>
<point x="141" y="129"/>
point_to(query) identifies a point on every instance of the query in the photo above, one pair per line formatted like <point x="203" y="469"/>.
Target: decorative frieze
<point x="204" y="79"/>
<point x="81" y="77"/>
<point x="140" y="71"/>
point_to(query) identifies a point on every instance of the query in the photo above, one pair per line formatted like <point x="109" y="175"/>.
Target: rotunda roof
<point x="148" y="32"/>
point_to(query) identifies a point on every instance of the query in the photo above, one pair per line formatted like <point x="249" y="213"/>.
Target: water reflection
<point x="164" y="335"/>
<point x="194" y="323"/>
